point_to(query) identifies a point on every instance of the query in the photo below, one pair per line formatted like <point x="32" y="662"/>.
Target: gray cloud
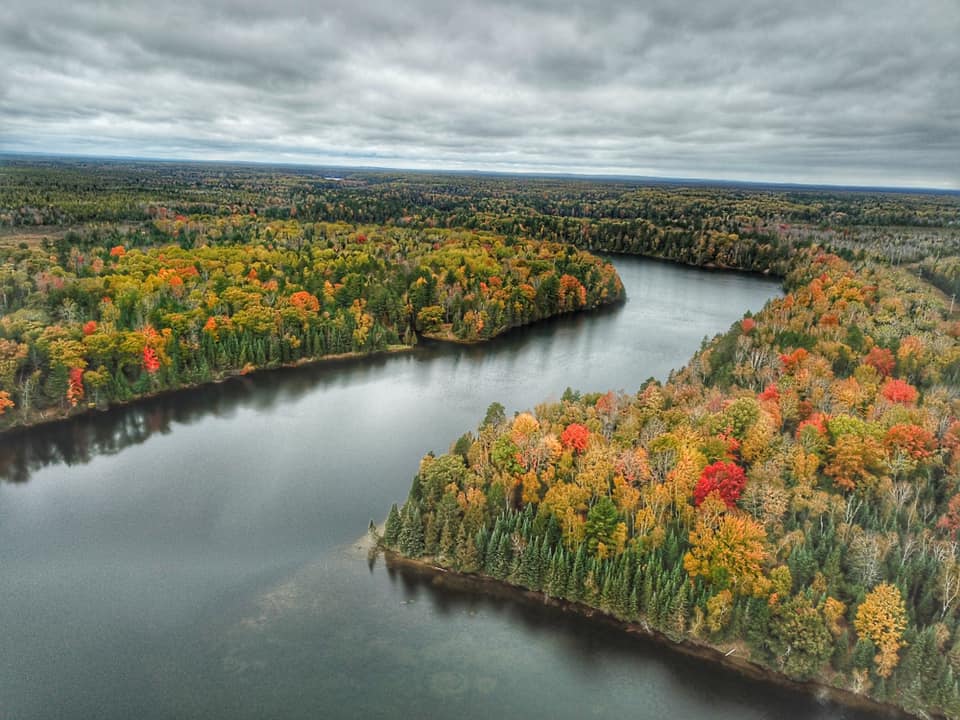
<point x="862" y="91"/>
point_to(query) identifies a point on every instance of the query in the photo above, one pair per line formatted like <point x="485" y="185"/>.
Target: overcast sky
<point x="835" y="91"/>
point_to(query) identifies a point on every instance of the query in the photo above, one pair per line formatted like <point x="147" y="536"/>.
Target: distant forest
<point x="792" y="493"/>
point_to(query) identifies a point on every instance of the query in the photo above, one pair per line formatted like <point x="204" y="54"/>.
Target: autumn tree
<point x="950" y="521"/>
<point x="5" y="401"/>
<point x="575" y="436"/>
<point x="731" y="556"/>
<point x="882" y="618"/>
<point x="854" y="460"/>
<point x="75" y="386"/>
<point x="881" y="359"/>
<point x="899" y="391"/>
<point x="727" y="479"/>
<point x="916" y="442"/>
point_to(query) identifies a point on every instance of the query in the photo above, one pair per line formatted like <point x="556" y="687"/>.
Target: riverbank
<point x="726" y="657"/>
<point x="141" y="532"/>
<point x="768" y="273"/>
<point x="445" y="334"/>
<point x="52" y="417"/>
<point x="56" y="415"/>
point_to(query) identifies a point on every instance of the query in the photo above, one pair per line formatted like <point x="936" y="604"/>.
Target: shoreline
<point x="476" y="583"/>
<point x="87" y="410"/>
<point x="767" y="274"/>
<point x="68" y="414"/>
<point x="447" y="335"/>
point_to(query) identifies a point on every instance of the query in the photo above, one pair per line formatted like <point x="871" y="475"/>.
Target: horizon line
<point x="556" y="174"/>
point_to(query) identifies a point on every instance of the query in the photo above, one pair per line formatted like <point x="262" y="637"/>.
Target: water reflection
<point x="419" y="647"/>
<point x="588" y="649"/>
<point x="79" y="440"/>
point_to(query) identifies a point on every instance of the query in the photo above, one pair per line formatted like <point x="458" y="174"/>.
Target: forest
<point x="792" y="493"/>
<point x="739" y="226"/>
<point x="85" y="325"/>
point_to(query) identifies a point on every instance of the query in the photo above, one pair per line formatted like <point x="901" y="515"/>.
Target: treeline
<point x="752" y="228"/>
<point x="84" y="324"/>
<point x="791" y="493"/>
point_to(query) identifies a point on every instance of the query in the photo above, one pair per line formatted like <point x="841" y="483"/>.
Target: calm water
<point x="194" y="556"/>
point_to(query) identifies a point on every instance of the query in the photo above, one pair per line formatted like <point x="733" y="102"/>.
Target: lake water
<point x="195" y="556"/>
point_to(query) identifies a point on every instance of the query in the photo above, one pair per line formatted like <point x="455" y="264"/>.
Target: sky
<point x="825" y="91"/>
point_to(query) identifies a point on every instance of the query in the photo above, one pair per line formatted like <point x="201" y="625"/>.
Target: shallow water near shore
<point x="193" y="555"/>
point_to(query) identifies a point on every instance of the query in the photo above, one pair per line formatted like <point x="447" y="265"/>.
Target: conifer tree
<point x="411" y="541"/>
<point x="391" y="532"/>
<point x="468" y="555"/>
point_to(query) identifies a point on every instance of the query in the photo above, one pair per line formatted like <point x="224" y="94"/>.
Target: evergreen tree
<point x="411" y="540"/>
<point x="575" y="584"/>
<point x="601" y="522"/>
<point x="678" y="610"/>
<point x="491" y="558"/>
<point x="391" y="533"/>
<point x="468" y="554"/>
<point x="529" y="573"/>
<point x="431" y="534"/>
<point x="504" y="558"/>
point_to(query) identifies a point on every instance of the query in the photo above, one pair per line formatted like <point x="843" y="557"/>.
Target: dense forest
<point x="89" y="325"/>
<point x="747" y="227"/>
<point x="792" y="492"/>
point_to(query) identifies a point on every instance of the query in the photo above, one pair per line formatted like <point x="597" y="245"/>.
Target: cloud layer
<point x="862" y="91"/>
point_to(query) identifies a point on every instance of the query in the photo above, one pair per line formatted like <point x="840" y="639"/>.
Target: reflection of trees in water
<point x="80" y="439"/>
<point x="594" y="645"/>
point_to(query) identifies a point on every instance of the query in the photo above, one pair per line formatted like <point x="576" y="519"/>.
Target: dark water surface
<point x="193" y="556"/>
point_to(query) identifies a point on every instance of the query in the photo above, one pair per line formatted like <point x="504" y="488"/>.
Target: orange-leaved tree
<point x="899" y="391"/>
<point x="575" y="436"/>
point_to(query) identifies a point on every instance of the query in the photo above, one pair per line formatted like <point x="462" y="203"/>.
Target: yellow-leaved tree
<point x="730" y="556"/>
<point x="882" y="617"/>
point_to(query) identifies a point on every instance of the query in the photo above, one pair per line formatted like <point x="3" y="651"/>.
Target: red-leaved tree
<point x="950" y="522"/>
<point x="899" y="391"/>
<point x="914" y="440"/>
<point x="151" y="363"/>
<point x="725" y="478"/>
<point x="880" y="359"/>
<point x="575" y="436"/>
<point x="75" y="386"/>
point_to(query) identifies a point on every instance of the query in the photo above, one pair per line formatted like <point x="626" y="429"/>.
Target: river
<point x="194" y="555"/>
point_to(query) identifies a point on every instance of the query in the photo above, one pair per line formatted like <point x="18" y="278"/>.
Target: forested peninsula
<point x="84" y="327"/>
<point x="791" y="495"/>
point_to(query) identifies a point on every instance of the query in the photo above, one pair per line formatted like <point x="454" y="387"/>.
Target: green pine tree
<point x="391" y="533"/>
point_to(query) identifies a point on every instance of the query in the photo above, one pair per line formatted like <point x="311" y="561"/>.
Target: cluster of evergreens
<point x="86" y="324"/>
<point x="791" y="493"/>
